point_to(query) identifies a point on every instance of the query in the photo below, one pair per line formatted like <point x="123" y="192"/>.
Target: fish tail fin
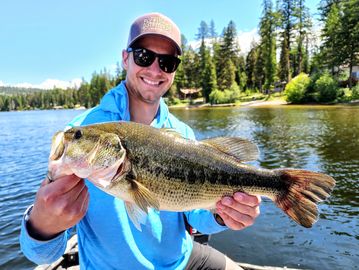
<point x="304" y="190"/>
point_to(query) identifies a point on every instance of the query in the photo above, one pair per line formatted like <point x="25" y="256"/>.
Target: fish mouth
<point x="57" y="146"/>
<point x="104" y="179"/>
<point x="121" y="171"/>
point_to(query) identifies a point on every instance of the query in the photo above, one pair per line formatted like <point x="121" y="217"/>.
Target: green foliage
<point x="296" y="89"/>
<point x="330" y="35"/>
<point x="230" y="95"/>
<point x="88" y="95"/>
<point x="226" y="75"/>
<point x="218" y="97"/>
<point x="222" y="72"/>
<point x="227" y="58"/>
<point x="340" y="35"/>
<point x="355" y="92"/>
<point x="268" y="43"/>
<point x="11" y="90"/>
<point x="326" y="87"/>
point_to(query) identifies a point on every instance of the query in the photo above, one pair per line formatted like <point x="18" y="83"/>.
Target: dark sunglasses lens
<point x="168" y="63"/>
<point x="143" y="57"/>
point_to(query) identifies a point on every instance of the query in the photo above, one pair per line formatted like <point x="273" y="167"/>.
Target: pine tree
<point x="287" y="22"/>
<point x="203" y="31"/>
<point x="227" y="57"/>
<point x="227" y="75"/>
<point x="190" y="68"/>
<point x="349" y="36"/>
<point x="208" y="72"/>
<point x="212" y="30"/>
<point x="268" y="43"/>
<point x="229" y="45"/>
<point x="302" y="27"/>
<point x="330" y="37"/>
<point x="241" y="76"/>
<point x="259" y="71"/>
<point x="251" y="61"/>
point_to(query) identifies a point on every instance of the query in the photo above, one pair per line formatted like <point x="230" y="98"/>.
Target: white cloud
<point x="49" y="84"/>
<point x="2" y="84"/>
<point x="245" y="40"/>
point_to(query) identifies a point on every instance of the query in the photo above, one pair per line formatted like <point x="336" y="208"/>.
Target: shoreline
<point x="255" y="103"/>
<point x="260" y="103"/>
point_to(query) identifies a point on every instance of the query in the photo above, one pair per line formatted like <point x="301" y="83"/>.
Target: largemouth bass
<point x="157" y="168"/>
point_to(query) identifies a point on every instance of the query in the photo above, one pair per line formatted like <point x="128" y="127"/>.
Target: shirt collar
<point x="116" y="101"/>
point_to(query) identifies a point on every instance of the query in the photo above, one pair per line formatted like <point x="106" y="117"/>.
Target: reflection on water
<point x="316" y="138"/>
<point x="319" y="138"/>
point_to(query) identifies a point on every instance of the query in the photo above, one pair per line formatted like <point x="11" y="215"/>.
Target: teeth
<point x="150" y="82"/>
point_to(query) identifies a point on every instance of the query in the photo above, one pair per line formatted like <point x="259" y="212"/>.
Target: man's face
<point x="148" y="84"/>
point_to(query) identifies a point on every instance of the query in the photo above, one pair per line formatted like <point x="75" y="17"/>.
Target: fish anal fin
<point x="238" y="148"/>
<point x="136" y="215"/>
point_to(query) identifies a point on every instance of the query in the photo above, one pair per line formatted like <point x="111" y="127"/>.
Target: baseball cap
<point x="155" y="24"/>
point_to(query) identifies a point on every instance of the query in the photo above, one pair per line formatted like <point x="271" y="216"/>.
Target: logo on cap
<point x="156" y="23"/>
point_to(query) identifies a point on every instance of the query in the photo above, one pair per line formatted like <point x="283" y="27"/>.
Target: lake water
<point x="317" y="138"/>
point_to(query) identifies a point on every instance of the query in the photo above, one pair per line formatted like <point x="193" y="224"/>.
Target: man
<point x="107" y="238"/>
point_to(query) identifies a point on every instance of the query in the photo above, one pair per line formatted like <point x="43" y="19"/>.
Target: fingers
<point x="64" y="184"/>
<point x="250" y="200"/>
<point x="237" y="216"/>
<point x="76" y="190"/>
<point x="230" y="222"/>
<point x="85" y="202"/>
<point x="44" y="182"/>
<point x="80" y="204"/>
<point x="239" y="211"/>
<point x="73" y="204"/>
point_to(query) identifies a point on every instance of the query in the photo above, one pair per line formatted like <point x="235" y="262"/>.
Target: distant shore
<point x="260" y="103"/>
<point x="254" y="103"/>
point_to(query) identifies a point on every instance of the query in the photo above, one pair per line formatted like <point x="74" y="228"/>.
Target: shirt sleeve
<point x="204" y="221"/>
<point x="42" y="252"/>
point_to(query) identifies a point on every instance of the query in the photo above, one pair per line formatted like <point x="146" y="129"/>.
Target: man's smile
<point x="151" y="82"/>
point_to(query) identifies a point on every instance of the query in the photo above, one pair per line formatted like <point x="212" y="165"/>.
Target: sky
<point x="43" y="43"/>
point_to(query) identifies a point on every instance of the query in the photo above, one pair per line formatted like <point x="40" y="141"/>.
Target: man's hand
<point x="59" y="205"/>
<point x="239" y="211"/>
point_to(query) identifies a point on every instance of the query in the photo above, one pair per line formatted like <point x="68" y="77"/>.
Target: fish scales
<point x="204" y="174"/>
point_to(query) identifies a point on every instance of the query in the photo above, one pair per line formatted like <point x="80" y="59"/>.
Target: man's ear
<point x="125" y="59"/>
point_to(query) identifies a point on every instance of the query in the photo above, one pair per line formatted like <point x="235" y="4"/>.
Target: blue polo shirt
<point x="107" y="239"/>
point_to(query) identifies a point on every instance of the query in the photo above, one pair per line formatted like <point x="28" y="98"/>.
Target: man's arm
<point x="58" y="206"/>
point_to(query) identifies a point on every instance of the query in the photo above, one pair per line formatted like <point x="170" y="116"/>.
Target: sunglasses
<point x="144" y="58"/>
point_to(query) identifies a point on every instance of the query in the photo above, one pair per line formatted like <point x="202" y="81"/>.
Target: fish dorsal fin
<point x="240" y="149"/>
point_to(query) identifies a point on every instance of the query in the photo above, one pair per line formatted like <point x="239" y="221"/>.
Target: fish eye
<point x="78" y="134"/>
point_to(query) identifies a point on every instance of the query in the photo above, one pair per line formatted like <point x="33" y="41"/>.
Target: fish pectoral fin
<point x="143" y="197"/>
<point x="238" y="148"/>
<point x="136" y="215"/>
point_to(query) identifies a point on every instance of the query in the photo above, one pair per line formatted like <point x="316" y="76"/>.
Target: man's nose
<point x="155" y="66"/>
